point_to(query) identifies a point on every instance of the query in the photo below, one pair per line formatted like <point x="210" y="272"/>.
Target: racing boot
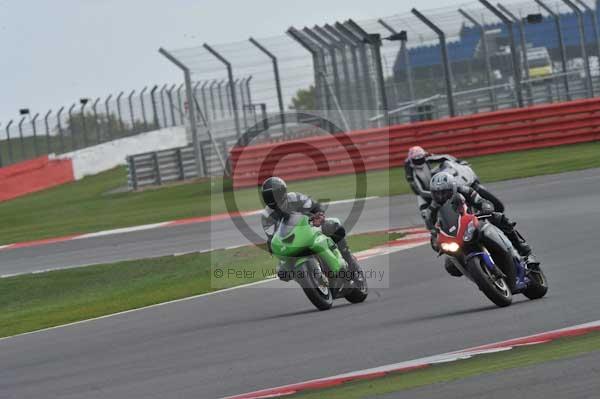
<point x="353" y="265"/>
<point x="522" y="247"/>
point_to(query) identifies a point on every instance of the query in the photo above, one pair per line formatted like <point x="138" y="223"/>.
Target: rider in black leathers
<point x="279" y="202"/>
<point x="444" y="186"/>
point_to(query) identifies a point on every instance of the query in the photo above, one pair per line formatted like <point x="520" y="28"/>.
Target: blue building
<point x="537" y="35"/>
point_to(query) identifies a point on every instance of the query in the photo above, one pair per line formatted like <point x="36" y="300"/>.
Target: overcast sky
<point x="54" y="52"/>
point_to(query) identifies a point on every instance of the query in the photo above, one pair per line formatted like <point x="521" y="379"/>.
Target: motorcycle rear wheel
<point x="361" y="290"/>
<point x="494" y="288"/>
<point x="538" y="287"/>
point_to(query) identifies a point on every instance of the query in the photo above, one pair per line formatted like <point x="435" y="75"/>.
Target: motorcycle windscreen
<point x="288" y="223"/>
<point x="448" y="218"/>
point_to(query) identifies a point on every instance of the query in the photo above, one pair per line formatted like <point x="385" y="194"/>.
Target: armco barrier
<point x="34" y="175"/>
<point x="474" y="135"/>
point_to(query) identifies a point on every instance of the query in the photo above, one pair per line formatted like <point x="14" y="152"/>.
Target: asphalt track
<point x="264" y="336"/>
<point x="182" y="239"/>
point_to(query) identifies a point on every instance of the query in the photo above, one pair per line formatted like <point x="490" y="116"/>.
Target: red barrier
<point x="467" y="136"/>
<point x="34" y="175"/>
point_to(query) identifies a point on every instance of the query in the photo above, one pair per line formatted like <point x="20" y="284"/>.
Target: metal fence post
<point x="154" y="107"/>
<point x="221" y="106"/>
<point x="10" y="152"/>
<point x="71" y="125"/>
<point x="331" y="35"/>
<point x="523" y="41"/>
<point x="47" y="126"/>
<point x="248" y="91"/>
<point x="351" y="44"/>
<point x="594" y="16"/>
<point x="561" y="43"/>
<point x="321" y="100"/>
<point x="143" y="106"/>
<point x="365" y="95"/>
<point x="374" y="41"/>
<point x="204" y="102"/>
<point x="513" y="49"/>
<point x="23" y="154"/>
<point x="486" y="57"/>
<point x="213" y="104"/>
<point x="370" y="94"/>
<point x="445" y="59"/>
<point x="109" y="118"/>
<point x="131" y="114"/>
<point x="96" y="122"/>
<point x="233" y="94"/>
<point x="180" y="104"/>
<point x="83" y="123"/>
<point x="34" y="128"/>
<point x="277" y="82"/>
<point x="191" y="110"/>
<point x="158" y="178"/>
<point x="244" y="104"/>
<point x="162" y="105"/>
<point x="328" y="48"/>
<point x="405" y="57"/>
<point x="228" y="97"/>
<point x="171" y="104"/>
<point x="61" y="138"/>
<point x="584" y="55"/>
<point x="132" y="172"/>
<point x="121" y="124"/>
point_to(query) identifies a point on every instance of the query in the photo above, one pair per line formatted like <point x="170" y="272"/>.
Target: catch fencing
<point x="406" y="68"/>
<point x="94" y="121"/>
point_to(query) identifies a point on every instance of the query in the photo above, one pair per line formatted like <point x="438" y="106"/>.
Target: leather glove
<point x="434" y="242"/>
<point x="318" y="219"/>
<point x="487" y="208"/>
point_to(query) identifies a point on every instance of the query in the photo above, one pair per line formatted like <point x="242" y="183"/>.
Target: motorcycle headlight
<point x="450" y="247"/>
<point x="468" y="236"/>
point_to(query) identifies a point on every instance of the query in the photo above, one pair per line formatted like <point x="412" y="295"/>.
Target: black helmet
<point x="443" y="187"/>
<point x="274" y="193"/>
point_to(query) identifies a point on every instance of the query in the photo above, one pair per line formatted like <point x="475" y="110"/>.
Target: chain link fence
<point x="91" y="121"/>
<point x="403" y="68"/>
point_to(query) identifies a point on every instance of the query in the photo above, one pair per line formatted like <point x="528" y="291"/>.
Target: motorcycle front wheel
<point x="316" y="285"/>
<point x="493" y="287"/>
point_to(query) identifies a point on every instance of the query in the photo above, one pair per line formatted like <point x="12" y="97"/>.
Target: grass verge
<point x="35" y="301"/>
<point x="89" y="206"/>
<point x="446" y="372"/>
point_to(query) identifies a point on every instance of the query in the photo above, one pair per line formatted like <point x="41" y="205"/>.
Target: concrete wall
<point x="102" y="157"/>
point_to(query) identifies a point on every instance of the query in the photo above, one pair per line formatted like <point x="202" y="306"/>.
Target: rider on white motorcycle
<point x="420" y="166"/>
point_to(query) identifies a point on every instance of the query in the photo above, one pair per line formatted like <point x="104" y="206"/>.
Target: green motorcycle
<point x="312" y="259"/>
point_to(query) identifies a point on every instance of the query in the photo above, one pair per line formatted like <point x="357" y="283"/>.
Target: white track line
<point x="152" y="226"/>
<point x="122" y="230"/>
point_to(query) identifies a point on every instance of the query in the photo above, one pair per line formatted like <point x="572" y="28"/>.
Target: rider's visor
<point x="418" y="161"/>
<point x="441" y="196"/>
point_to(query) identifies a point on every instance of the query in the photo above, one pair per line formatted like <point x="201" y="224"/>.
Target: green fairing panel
<point x="305" y="237"/>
